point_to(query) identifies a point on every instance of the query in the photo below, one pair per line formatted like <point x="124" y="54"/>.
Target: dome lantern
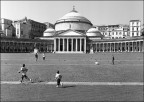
<point x="73" y="9"/>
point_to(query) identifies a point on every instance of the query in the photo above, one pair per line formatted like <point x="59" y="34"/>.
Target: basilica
<point x="72" y="33"/>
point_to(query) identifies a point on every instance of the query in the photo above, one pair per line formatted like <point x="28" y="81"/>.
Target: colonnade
<point x="24" y="47"/>
<point x="125" y="46"/>
<point x="63" y="45"/>
<point x="72" y="45"/>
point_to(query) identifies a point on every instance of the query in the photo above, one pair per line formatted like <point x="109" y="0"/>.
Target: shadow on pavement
<point x="68" y="86"/>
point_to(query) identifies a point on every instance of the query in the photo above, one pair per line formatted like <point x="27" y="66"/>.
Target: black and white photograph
<point x="76" y="51"/>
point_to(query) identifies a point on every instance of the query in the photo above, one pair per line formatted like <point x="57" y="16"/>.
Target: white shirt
<point x="58" y="76"/>
<point x="43" y="55"/>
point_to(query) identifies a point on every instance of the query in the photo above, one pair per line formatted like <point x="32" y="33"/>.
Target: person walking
<point x="24" y="70"/>
<point x="36" y="56"/>
<point x="113" y="60"/>
<point x="58" y="77"/>
<point x="43" y="56"/>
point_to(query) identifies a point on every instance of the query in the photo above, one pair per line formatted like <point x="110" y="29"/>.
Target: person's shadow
<point x="68" y="86"/>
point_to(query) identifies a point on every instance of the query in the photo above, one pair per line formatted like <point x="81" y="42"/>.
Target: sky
<point x="98" y="12"/>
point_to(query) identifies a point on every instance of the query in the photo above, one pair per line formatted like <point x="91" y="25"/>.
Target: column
<point x="76" y="44"/>
<point x="114" y="47"/>
<point x="80" y="44"/>
<point x="125" y="47"/>
<point x="96" y="47"/>
<point x="67" y="45"/>
<point x="128" y="46"/>
<point x="72" y="44"/>
<point x="132" y="46"/>
<point x="103" y="47"/>
<point x="110" y="46"/>
<point x="54" y="44"/>
<point x="106" y="47"/>
<point x="51" y="47"/>
<point x="85" y="45"/>
<point x="63" y="45"/>
<point x="59" y="45"/>
<point x="139" y="47"/>
<point x="142" y="45"/>
<point x="121" y="46"/>
<point x="135" y="46"/>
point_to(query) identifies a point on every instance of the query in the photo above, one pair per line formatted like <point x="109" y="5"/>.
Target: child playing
<point x="58" y="77"/>
<point x="24" y="71"/>
<point x="43" y="56"/>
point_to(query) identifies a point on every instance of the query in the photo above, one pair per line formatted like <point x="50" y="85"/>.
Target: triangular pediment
<point x="71" y="33"/>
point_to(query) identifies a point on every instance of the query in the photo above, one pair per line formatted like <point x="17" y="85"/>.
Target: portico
<point x="70" y="42"/>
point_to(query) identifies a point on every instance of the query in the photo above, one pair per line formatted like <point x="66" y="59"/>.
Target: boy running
<point x="58" y="77"/>
<point x="24" y="71"/>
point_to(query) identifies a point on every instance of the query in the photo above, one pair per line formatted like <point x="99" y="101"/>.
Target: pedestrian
<point x="113" y="60"/>
<point x="36" y="56"/>
<point x="43" y="56"/>
<point x="24" y="71"/>
<point x="58" y="77"/>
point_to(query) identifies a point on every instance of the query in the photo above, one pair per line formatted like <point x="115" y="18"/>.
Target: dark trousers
<point x="24" y="76"/>
<point x="58" y="81"/>
<point x="112" y="61"/>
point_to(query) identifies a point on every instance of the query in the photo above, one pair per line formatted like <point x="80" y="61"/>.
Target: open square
<point x="74" y="68"/>
<point x="72" y="51"/>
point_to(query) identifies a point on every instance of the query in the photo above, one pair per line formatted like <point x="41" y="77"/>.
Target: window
<point x="137" y="34"/>
<point x="132" y="34"/>
<point x="21" y="32"/>
<point x="17" y="31"/>
<point x="137" y="29"/>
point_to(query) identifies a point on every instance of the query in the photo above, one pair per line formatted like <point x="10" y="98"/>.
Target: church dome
<point x="73" y="16"/>
<point x="73" y="20"/>
<point x="94" y="32"/>
<point x="49" y="32"/>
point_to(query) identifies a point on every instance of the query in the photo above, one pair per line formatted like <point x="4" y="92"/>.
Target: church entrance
<point x="70" y="45"/>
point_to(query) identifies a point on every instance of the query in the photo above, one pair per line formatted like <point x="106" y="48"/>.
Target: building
<point x="135" y="28"/>
<point x="114" y="31"/>
<point x="27" y="28"/>
<point x="142" y="30"/>
<point x="7" y="28"/>
<point x="49" y="25"/>
<point x="74" y="33"/>
<point x="104" y="31"/>
<point x="69" y="35"/>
